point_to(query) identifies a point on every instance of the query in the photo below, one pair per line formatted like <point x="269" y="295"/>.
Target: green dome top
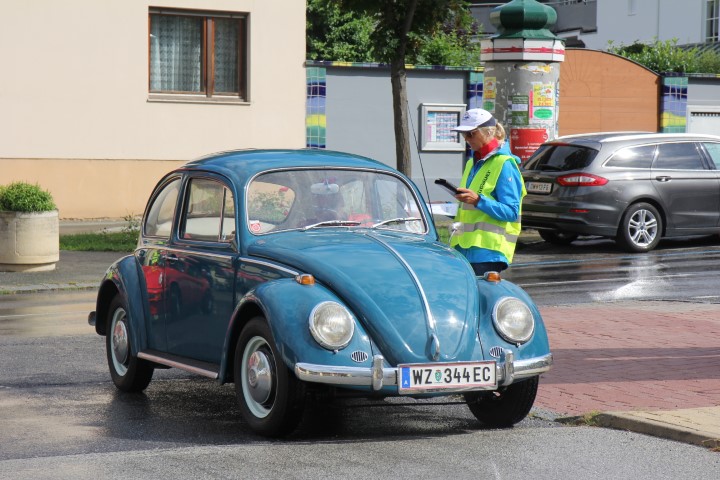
<point x="524" y="19"/>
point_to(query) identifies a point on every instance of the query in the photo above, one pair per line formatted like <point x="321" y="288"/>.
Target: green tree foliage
<point x="666" y="56"/>
<point x="338" y="34"/>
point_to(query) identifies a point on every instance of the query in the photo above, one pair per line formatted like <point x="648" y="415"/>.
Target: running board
<point x="198" y="367"/>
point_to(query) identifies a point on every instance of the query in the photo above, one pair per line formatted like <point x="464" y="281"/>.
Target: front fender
<point x="286" y="305"/>
<point x="490" y="293"/>
<point x="123" y="278"/>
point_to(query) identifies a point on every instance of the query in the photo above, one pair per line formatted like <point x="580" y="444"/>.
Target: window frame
<point x="182" y="216"/>
<point x="711" y="31"/>
<point x="207" y="91"/>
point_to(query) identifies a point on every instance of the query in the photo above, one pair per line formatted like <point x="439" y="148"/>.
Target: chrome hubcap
<point x="120" y="347"/>
<point x="259" y="377"/>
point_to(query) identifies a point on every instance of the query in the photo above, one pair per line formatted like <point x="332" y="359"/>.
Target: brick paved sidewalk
<point x="632" y="356"/>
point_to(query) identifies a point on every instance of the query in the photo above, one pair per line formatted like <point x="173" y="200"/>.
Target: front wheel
<point x="640" y="228"/>
<point x="506" y="406"/>
<point x="129" y="373"/>
<point x="271" y="397"/>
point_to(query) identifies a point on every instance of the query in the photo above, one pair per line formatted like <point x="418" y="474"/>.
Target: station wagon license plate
<point x="538" y="187"/>
<point x="415" y="378"/>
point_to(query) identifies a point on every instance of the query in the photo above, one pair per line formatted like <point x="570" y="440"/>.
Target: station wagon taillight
<point x="581" y="180"/>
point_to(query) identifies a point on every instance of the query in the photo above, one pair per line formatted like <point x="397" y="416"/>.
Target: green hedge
<point x="24" y="197"/>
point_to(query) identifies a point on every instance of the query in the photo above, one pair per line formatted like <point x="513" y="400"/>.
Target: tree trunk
<point x="398" y="79"/>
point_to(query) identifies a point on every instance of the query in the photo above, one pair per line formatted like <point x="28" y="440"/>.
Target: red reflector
<point x="578" y="210"/>
<point x="581" y="180"/>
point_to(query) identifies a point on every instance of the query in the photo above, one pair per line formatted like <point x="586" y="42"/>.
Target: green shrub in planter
<point x="23" y="197"/>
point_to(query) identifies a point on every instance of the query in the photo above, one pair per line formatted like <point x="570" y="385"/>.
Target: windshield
<point x="319" y="198"/>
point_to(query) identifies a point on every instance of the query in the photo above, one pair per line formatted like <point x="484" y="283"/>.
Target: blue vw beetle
<point x="289" y="272"/>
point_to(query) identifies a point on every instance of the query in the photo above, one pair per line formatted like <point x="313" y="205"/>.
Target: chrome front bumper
<point x="507" y="368"/>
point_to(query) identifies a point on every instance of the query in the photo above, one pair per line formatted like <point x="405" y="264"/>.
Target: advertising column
<point x="522" y="74"/>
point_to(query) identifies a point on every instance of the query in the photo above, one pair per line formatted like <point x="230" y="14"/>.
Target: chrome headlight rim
<point x="316" y="332"/>
<point x="501" y="330"/>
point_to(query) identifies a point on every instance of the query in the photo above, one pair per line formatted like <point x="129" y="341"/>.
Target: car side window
<point x="713" y="150"/>
<point x="209" y="213"/>
<point x="633" y="157"/>
<point x="678" y="156"/>
<point x="158" y="221"/>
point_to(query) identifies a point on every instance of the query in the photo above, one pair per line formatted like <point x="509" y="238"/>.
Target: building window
<point x="198" y="53"/>
<point x="712" y="14"/>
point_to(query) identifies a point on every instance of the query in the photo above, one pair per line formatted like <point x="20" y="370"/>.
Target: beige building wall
<point x="76" y="116"/>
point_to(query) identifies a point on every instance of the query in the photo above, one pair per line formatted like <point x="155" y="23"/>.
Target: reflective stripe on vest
<point x="479" y="229"/>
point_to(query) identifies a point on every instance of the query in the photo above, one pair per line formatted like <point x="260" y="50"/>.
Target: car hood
<point x="417" y="299"/>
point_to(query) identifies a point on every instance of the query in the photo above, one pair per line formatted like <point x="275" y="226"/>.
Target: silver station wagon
<point x="633" y="187"/>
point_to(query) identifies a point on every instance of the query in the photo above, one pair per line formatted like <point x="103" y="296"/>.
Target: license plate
<point x="538" y="187"/>
<point x="459" y="376"/>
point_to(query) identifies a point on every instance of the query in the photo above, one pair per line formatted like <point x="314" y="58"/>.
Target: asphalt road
<point x="60" y="416"/>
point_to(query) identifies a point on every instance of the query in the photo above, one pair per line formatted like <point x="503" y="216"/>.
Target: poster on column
<point x="519" y="110"/>
<point x="524" y="141"/>
<point x="543" y="104"/>
<point x="489" y="94"/>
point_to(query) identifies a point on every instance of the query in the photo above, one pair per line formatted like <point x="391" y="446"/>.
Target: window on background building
<point x="198" y="53"/>
<point x="712" y="14"/>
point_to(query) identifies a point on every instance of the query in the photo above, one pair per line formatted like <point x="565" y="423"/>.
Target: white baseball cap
<point x="475" y="118"/>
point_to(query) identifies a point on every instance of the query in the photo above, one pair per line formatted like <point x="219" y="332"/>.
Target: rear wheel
<point x="504" y="407"/>
<point x="557" y="238"/>
<point x="271" y="397"/>
<point x="129" y="373"/>
<point x="640" y="228"/>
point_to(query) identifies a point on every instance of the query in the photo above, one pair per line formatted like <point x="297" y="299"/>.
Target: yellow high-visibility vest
<point x="479" y="229"/>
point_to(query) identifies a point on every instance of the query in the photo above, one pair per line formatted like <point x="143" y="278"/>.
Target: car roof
<point x="597" y="138"/>
<point x="239" y="165"/>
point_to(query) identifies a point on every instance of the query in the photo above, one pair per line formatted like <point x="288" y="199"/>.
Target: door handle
<point x="171" y="258"/>
<point x="663" y="178"/>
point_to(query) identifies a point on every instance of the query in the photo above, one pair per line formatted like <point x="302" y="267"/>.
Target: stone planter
<point x="29" y="242"/>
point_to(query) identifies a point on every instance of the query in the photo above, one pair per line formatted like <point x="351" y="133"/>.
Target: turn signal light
<point x="305" y="279"/>
<point x="492" y="277"/>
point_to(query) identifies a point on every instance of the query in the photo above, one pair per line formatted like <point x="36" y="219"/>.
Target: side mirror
<point x="454" y="228"/>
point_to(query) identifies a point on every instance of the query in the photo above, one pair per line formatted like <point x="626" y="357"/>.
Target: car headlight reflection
<point x="331" y="325"/>
<point x="513" y="320"/>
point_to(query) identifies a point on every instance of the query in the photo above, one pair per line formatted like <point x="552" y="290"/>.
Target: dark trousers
<point x="484" y="267"/>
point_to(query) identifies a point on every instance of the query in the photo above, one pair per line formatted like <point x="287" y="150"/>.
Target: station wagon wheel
<point x="129" y="373"/>
<point x="557" y="238"/>
<point x="504" y="407"/>
<point x="271" y="397"/>
<point x="640" y="228"/>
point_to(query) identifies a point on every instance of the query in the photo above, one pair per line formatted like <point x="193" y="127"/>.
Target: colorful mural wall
<point x="673" y="104"/>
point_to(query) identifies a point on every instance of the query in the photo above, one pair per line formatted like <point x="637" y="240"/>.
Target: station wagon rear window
<point x="561" y="158"/>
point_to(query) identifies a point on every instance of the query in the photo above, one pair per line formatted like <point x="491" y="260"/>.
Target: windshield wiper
<point x="333" y="223"/>
<point x="396" y="220"/>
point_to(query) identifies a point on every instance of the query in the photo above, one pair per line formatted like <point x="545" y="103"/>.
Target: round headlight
<point x="513" y="320"/>
<point x="331" y="325"/>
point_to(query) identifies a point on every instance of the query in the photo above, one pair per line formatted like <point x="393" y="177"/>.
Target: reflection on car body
<point x="290" y="272"/>
<point x="633" y="187"/>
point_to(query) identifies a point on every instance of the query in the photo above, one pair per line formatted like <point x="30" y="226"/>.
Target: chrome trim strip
<point x="377" y="376"/>
<point x="269" y="265"/>
<point x="226" y="256"/>
<point x="181" y="366"/>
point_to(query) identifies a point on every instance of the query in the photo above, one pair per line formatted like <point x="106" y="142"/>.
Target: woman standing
<point x="491" y="193"/>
